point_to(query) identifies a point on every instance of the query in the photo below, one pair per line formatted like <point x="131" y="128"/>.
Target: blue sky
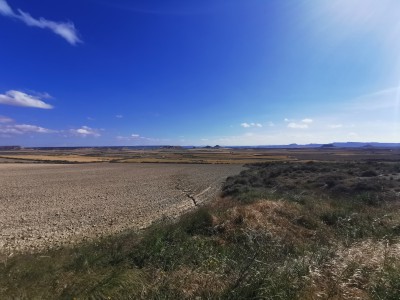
<point x="254" y="72"/>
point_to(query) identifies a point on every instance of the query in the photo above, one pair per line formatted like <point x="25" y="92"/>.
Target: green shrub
<point x="199" y="222"/>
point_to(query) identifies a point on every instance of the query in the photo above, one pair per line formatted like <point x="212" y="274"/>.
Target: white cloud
<point x="271" y="124"/>
<point x="248" y="125"/>
<point x="23" y="128"/>
<point x="5" y="9"/>
<point x="32" y="128"/>
<point x="43" y="95"/>
<point x="335" y="126"/>
<point x="64" y="29"/>
<point x="365" y="130"/>
<point x="297" y="125"/>
<point x="303" y="124"/>
<point x="119" y="116"/>
<point x="131" y="137"/>
<point x="17" y="98"/>
<point x="85" y="131"/>
<point x="4" y="119"/>
<point x="138" y="139"/>
<point x="286" y="120"/>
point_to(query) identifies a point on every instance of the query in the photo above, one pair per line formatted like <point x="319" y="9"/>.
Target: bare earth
<point x="47" y="205"/>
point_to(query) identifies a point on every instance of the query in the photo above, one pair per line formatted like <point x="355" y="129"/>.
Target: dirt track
<point x="43" y="205"/>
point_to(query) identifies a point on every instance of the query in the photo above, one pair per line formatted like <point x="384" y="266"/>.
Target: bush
<point x="366" y="186"/>
<point x="369" y="173"/>
<point x="199" y="222"/>
<point x="332" y="218"/>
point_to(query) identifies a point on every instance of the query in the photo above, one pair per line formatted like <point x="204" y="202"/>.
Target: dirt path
<point x="50" y="205"/>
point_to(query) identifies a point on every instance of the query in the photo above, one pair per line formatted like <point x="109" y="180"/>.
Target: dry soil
<point x="49" y="205"/>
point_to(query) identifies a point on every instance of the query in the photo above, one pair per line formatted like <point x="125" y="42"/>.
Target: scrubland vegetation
<point x="315" y="230"/>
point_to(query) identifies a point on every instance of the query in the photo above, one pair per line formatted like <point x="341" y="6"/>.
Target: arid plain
<point x="228" y="222"/>
<point x="54" y="197"/>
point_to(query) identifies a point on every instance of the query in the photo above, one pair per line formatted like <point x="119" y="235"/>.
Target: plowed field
<point x="47" y="205"/>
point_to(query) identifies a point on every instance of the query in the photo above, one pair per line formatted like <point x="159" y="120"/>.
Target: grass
<point x="281" y="231"/>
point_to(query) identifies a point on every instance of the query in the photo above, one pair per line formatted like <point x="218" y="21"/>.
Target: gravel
<point x="50" y="205"/>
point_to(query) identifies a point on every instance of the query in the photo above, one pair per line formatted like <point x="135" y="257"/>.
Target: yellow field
<point x="195" y="155"/>
<point x="68" y="158"/>
<point x="204" y="160"/>
<point x="200" y="156"/>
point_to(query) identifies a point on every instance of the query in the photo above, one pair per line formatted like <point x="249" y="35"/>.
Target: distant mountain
<point x="328" y="146"/>
<point x="367" y="145"/>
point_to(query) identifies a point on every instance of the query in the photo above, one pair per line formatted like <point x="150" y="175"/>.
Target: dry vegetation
<point x="282" y="230"/>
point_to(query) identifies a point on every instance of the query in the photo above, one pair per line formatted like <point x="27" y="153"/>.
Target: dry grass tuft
<point x="200" y="281"/>
<point x="353" y="271"/>
<point x="278" y="219"/>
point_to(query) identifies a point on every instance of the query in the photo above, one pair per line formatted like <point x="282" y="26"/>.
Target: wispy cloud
<point x="248" y="125"/>
<point x="66" y="30"/>
<point x="137" y="139"/>
<point x="388" y="98"/>
<point x="297" y="125"/>
<point x="4" y="119"/>
<point x="335" y="126"/>
<point x="303" y="124"/>
<point x="23" y="129"/>
<point x="17" y="98"/>
<point x="85" y="131"/>
<point x="133" y="137"/>
<point x="5" y="9"/>
<point x="119" y="116"/>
